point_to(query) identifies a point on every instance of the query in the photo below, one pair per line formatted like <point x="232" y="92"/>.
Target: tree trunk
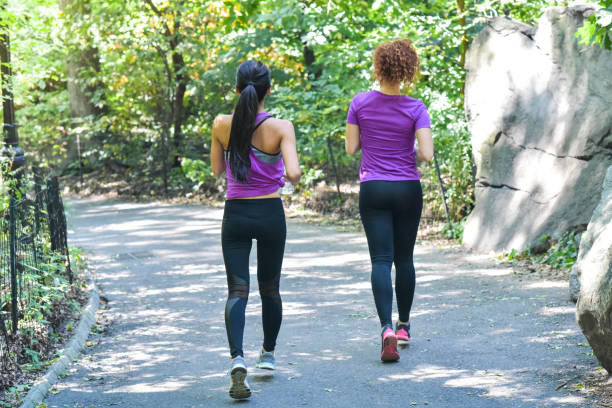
<point x="180" y="76"/>
<point x="314" y="74"/>
<point x="9" y="133"/>
<point x="462" y="23"/>
<point x="8" y="109"/>
<point x="82" y="62"/>
<point x="178" y="66"/>
<point x="309" y="60"/>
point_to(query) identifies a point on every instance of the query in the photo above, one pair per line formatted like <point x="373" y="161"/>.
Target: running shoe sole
<point x="239" y="388"/>
<point x="265" y="365"/>
<point x="402" y="335"/>
<point x="389" y="351"/>
<point x="403" y="342"/>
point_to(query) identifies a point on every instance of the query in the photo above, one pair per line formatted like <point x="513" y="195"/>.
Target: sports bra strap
<point x="262" y="121"/>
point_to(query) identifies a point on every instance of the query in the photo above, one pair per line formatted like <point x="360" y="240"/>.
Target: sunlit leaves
<point x="597" y="29"/>
<point x="319" y="52"/>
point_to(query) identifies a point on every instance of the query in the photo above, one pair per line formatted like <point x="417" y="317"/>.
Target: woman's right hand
<point x="287" y="180"/>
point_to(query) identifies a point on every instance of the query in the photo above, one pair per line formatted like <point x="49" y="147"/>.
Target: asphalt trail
<point x="481" y="336"/>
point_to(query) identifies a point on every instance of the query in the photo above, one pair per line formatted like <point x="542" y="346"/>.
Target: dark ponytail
<point x="253" y="82"/>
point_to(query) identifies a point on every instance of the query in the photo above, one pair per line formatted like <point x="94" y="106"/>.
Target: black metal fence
<point x="32" y="228"/>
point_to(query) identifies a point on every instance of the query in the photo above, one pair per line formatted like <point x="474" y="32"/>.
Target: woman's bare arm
<point x="289" y="152"/>
<point x="425" y="151"/>
<point x="217" y="161"/>
<point x="352" y="141"/>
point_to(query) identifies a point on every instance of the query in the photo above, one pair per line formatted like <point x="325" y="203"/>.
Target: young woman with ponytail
<point x="258" y="154"/>
<point x="384" y="125"/>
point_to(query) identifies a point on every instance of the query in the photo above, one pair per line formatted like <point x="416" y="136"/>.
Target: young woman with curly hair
<point x="384" y="125"/>
<point x="257" y="152"/>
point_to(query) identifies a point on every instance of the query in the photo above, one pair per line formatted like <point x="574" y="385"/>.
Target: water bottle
<point x="287" y="189"/>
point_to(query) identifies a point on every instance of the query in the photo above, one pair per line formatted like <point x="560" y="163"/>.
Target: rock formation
<point x="539" y="107"/>
<point x="594" y="272"/>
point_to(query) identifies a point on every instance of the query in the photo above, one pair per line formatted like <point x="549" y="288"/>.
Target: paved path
<point x="482" y="337"/>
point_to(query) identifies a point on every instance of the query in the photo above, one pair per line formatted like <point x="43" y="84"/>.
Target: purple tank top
<point x="264" y="177"/>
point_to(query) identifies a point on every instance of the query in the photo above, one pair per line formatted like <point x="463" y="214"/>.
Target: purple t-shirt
<point x="387" y="124"/>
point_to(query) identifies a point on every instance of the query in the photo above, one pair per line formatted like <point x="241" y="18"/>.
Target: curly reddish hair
<point x="396" y="61"/>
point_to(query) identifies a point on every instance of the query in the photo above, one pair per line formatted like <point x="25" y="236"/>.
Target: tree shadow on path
<point x="481" y="337"/>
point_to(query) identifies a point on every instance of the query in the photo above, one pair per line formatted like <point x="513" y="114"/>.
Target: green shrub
<point x="562" y="254"/>
<point x="197" y="171"/>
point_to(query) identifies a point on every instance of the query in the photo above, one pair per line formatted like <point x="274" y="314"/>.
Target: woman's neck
<point x="261" y="108"/>
<point x="390" y="89"/>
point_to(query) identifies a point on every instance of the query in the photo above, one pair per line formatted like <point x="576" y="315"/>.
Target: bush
<point x="562" y="254"/>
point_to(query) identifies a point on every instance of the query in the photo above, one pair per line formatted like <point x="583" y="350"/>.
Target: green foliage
<point x="597" y="29"/>
<point x="454" y="231"/>
<point x="310" y="177"/>
<point x="44" y="288"/>
<point x="47" y="286"/>
<point x="41" y="99"/>
<point x="319" y="52"/>
<point x="198" y="171"/>
<point x="526" y="11"/>
<point x="8" y="183"/>
<point x="15" y="394"/>
<point x="562" y="253"/>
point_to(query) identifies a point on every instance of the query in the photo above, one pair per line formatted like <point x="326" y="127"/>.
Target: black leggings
<point x="390" y="213"/>
<point x="243" y="221"/>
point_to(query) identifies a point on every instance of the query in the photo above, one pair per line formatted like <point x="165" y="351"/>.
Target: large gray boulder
<point x="574" y="284"/>
<point x="539" y="108"/>
<point x="594" y="272"/>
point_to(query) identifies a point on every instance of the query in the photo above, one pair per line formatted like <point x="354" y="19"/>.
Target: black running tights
<point x="243" y="221"/>
<point x="390" y="213"/>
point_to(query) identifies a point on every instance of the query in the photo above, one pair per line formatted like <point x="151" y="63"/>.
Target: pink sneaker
<point x="389" y="346"/>
<point x="402" y="332"/>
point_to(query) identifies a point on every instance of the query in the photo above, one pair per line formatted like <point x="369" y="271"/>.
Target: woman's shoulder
<point x="414" y="107"/>
<point x="415" y="101"/>
<point x="279" y="125"/>
<point x="360" y="96"/>
<point x="222" y="121"/>
<point x="361" y="99"/>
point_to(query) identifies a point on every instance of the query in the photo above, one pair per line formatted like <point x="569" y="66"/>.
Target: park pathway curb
<point x="88" y="317"/>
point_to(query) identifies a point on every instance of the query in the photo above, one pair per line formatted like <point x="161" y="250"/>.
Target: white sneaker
<point x="266" y="361"/>
<point x="239" y="386"/>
